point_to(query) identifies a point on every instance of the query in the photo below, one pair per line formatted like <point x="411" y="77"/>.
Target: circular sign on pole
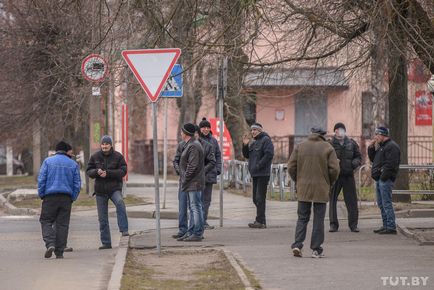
<point x="94" y="68"/>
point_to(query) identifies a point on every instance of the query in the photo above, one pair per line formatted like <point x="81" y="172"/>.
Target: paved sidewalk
<point x="353" y="260"/>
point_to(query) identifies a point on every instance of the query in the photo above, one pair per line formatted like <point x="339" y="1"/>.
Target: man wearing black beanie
<point x="59" y="184"/>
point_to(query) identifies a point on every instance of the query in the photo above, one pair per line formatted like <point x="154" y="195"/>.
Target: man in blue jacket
<point x="58" y="186"/>
<point x="260" y="153"/>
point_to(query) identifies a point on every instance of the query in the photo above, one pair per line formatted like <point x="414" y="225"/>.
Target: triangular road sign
<point x="152" y="67"/>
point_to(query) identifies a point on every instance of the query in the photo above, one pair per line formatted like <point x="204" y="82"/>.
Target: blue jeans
<point x="384" y="201"/>
<point x="196" y="213"/>
<point x="182" y="216"/>
<point x="121" y="212"/>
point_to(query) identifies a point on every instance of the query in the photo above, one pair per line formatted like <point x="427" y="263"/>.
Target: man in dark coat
<point x="260" y="153"/>
<point x="385" y="156"/>
<point x="211" y="175"/>
<point x="192" y="181"/>
<point x="349" y="156"/>
<point x="108" y="167"/>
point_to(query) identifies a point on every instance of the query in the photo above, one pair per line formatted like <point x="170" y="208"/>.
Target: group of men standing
<point x="59" y="185"/>
<point x="198" y="163"/>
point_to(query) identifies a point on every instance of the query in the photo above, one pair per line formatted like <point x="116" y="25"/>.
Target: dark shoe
<point x="379" y="230"/>
<point x="208" y="227"/>
<point x="297" y="252"/>
<point x="333" y="229"/>
<point x="49" y="252"/>
<point x="317" y="255"/>
<point x="125" y="234"/>
<point x="355" y="230"/>
<point x="105" y="247"/>
<point x="177" y="236"/>
<point x="387" y="232"/>
<point x="257" y="225"/>
<point x="186" y="235"/>
<point x="68" y="249"/>
<point x="193" y="238"/>
<point x="59" y="256"/>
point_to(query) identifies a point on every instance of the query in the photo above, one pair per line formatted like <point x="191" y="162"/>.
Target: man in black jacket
<point x="211" y="175"/>
<point x="349" y="156"/>
<point x="260" y="153"/>
<point x="108" y="167"/>
<point x="385" y="156"/>
<point x="192" y="181"/>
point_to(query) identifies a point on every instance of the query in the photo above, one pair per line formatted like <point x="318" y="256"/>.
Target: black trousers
<point x="206" y="199"/>
<point x="303" y="211"/>
<point x="260" y="184"/>
<point x="348" y="184"/>
<point x="54" y="219"/>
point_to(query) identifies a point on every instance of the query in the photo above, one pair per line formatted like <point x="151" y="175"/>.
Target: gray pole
<point x="166" y="100"/>
<point x="156" y="177"/>
<point x="221" y="91"/>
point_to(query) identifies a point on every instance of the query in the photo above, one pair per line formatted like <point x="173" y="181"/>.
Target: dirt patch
<point x="179" y="269"/>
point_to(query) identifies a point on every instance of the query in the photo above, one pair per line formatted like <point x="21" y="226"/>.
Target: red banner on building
<point x="227" y="140"/>
<point x="423" y="105"/>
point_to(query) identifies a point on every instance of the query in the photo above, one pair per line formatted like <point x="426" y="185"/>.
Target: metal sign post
<point x="221" y="92"/>
<point x="152" y="68"/>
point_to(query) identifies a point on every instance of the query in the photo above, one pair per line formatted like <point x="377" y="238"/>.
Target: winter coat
<point x="260" y="153"/>
<point x="348" y="154"/>
<point x="192" y="167"/>
<point x="211" y="176"/>
<point x="314" y="167"/>
<point x="385" y="160"/>
<point x="177" y="157"/>
<point x="59" y="174"/>
<point x="115" y="166"/>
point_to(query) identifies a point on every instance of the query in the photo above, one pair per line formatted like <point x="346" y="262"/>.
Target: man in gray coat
<point x="192" y="181"/>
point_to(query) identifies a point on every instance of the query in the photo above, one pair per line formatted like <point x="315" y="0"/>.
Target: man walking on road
<point x="108" y="167"/>
<point x="314" y="167"/>
<point x="260" y="153"/>
<point x="349" y="157"/>
<point x="385" y="156"/>
<point x="58" y="186"/>
<point x="211" y="175"/>
<point x="192" y="181"/>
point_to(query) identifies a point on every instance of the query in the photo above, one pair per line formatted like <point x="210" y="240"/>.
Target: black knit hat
<point x="339" y="125"/>
<point x="204" y="123"/>
<point x="188" y="129"/>
<point x="382" y="131"/>
<point x="63" y="146"/>
<point x="107" y="139"/>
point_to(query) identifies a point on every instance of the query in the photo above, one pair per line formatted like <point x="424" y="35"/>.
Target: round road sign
<point x="94" y="68"/>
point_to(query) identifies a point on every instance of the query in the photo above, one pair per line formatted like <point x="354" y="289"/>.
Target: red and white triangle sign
<point x="152" y="67"/>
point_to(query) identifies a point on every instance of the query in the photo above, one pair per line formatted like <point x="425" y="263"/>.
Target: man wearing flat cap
<point x="348" y="153"/>
<point x="59" y="185"/>
<point x="385" y="156"/>
<point x="260" y="153"/>
<point x="314" y="167"/>
<point x="108" y="167"/>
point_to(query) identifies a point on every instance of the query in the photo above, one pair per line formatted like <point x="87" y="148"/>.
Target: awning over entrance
<point x="297" y="77"/>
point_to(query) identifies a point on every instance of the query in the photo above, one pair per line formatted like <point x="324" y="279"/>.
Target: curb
<point x="118" y="268"/>
<point x="13" y="210"/>
<point x="236" y="265"/>
<point x="409" y="234"/>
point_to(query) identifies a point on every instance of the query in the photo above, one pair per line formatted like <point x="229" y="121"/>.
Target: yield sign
<point x="152" y="67"/>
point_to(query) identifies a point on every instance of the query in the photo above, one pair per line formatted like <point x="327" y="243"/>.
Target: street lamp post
<point x="430" y="86"/>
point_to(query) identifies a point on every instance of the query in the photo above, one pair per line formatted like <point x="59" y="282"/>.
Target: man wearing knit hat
<point x="385" y="156"/>
<point x="348" y="153"/>
<point x="192" y="182"/>
<point x="108" y="167"/>
<point x="211" y="175"/>
<point x="260" y="153"/>
<point x="58" y="186"/>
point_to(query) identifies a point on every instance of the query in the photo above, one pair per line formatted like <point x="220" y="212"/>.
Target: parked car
<point x="18" y="166"/>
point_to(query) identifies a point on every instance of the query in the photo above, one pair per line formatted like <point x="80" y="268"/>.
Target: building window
<point x="367" y="115"/>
